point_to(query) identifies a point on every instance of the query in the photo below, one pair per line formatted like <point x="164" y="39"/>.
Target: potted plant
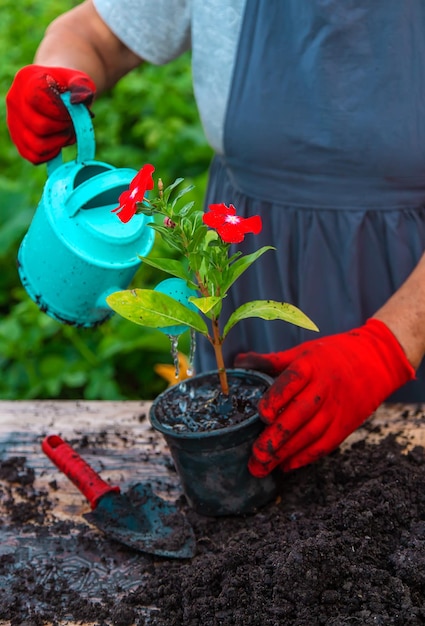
<point x="209" y="420"/>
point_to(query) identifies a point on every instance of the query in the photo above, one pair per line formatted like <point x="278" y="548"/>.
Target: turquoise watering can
<point x="76" y="251"/>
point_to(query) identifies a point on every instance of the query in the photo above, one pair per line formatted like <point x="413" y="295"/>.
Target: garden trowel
<point x="140" y="519"/>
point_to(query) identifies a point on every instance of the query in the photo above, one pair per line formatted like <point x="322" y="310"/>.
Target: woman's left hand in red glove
<point x="325" y="389"/>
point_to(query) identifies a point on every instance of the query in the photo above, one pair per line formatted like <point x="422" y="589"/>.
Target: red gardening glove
<point x="38" y="121"/>
<point x="326" y="389"/>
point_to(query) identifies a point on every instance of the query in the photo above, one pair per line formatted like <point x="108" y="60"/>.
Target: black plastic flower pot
<point x="211" y="460"/>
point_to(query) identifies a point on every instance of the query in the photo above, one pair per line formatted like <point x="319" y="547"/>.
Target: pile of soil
<point x="343" y="544"/>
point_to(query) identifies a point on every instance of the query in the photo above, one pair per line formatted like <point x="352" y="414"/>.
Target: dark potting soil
<point x="198" y="404"/>
<point x="343" y="545"/>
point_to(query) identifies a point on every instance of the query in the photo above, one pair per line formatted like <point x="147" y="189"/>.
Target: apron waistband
<point x="311" y="190"/>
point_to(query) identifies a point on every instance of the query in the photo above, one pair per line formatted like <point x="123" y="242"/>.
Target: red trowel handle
<point x="76" y="469"/>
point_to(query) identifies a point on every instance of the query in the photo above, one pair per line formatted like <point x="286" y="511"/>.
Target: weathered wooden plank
<point x="117" y="440"/>
<point x="114" y="437"/>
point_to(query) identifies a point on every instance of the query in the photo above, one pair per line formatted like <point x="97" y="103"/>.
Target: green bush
<point x="149" y="117"/>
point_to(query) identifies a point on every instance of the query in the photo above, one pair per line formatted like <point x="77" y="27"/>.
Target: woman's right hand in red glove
<point x="38" y="121"/>
<point x="325" y="389"/>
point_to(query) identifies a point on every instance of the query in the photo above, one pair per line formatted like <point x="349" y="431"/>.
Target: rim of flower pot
<point x="233" y="428"/>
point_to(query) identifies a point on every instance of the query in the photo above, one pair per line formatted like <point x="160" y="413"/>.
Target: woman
<point x="315" y="112"/>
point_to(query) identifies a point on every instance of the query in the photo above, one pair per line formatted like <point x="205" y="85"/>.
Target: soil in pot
<point x="198" y="404"/>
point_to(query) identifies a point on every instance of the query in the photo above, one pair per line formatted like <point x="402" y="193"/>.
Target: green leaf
<point x="270" y="310"/>
<point x="147" y="307"/>
<point x="162" y="230"/>
<point x="205" y="304"/>
<point x="242" y="264"/>
<point x="171" y="266"/>
<point x="197" y="239"/>
<point x="169" y="189"/>
<point x="181" y="193"/>
<point x="185" y="210"/>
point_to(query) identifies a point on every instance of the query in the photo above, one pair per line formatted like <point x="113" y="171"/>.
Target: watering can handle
<point x="86" y="145"/>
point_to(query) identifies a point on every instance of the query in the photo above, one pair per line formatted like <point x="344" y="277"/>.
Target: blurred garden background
<point x="149" y="117"/>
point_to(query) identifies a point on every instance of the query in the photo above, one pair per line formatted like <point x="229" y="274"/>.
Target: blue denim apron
<point x="325" y="139"/>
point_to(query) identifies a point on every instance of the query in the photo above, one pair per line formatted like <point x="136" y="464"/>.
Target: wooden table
<point x="118" y="441"/>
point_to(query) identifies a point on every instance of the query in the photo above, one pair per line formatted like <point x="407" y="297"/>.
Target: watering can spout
<point x="76" y="250"/>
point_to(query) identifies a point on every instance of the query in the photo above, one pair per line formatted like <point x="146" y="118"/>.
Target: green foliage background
<point x="150" y="116"/>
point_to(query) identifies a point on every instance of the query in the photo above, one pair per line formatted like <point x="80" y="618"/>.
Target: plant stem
<point x="217" y="344"/>
<point x="216" y="341"/>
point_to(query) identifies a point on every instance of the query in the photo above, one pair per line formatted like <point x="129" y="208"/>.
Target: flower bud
<point x="168" y="223"/>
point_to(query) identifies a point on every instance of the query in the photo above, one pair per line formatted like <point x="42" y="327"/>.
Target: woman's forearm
<point x="404" y="314"/>
<point x="80" y="39"/>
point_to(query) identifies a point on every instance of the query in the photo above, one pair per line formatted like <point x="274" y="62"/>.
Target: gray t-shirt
<point x="161" y="31"/>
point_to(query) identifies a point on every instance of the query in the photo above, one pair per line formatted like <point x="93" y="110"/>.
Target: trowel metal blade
<point x="144" y="521"/>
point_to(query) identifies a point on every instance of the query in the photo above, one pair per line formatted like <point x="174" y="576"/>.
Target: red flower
<point x="231" y="227"/>
<point x="128" y="200"/>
